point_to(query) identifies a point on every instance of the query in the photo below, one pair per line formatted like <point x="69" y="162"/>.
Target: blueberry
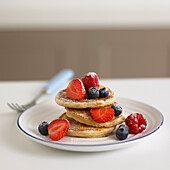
<point x="104" y="92"/>
<point x="43" y="128"/>
<point x="117" y="108"/>
<point x="122" y="132"/>
<point x="93" y="93"/>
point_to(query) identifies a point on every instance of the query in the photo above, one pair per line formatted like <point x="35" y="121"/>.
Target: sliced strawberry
<point x="102" y="115"/>
<point x="58" y="128"/>
<point x="90" y="80"/>
<point x="75" y="90"/>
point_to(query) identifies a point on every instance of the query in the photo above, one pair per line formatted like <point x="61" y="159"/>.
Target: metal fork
<point x="22" y="108"/>
<point x="57" y="81"/>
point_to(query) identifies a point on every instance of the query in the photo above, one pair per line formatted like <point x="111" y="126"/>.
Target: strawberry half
<point x="102" y="115"/>
<point x="58" y="128"/>
<point x="75" y="90"/>
<point x="90" y="80"/>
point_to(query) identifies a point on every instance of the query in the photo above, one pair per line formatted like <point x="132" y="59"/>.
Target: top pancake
<point x="62" y="99"/>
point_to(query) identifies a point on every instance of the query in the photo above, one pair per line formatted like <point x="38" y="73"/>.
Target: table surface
<point x="19" y="152"/>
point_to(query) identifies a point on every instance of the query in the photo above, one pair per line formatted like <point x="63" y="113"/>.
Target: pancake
<point x="84" y="116"/>
<point x="62" y="99"/>
<point x="77" y="129"/>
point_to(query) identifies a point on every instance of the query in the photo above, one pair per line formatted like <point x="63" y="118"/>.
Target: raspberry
<point x="136" y="123"/>
<point x="90" y="80"/>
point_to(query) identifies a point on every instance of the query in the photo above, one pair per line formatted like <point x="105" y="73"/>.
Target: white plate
<point x="29" y="120"/>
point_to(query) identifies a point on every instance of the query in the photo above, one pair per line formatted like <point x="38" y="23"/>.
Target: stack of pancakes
<point x="79" y="117"/>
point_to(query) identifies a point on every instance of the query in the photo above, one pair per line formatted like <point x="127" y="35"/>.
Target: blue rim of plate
<point x="95" y="145"/>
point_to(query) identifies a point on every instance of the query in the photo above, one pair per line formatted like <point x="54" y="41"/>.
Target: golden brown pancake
<point x="62" y="99"/>
<point x="84" y="116"/>
<point x="77" y="129"/>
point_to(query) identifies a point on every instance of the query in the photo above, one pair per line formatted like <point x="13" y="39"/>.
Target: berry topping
<point x="117" y="108"/>
<point x="75" y="90"/>
<point x="136" y="123"/>
<point x="122" y="132"/>
<point x="102" y="115"/>
<point x="93" y="93"/>
<point x="58" y="128"/>
<point x="90" y="80"/>
<point x="43" y="128"/>
<point x="104" y="92"/>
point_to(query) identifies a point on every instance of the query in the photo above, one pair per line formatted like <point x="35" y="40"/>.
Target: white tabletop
<point x="19" y="152"/>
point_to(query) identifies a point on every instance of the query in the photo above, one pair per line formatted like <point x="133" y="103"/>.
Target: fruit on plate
<point x="93" y="93"/>
<point x="58" y="128"/>
<point x="136" y="123"/>
<point x="75" y="90"/>
<point x="122" y="132"/>
<point x="43" y="128"/>
<point x="90" y="80"/>
<point x="117" y="108"/>
<point x="88" y="88"/>
<point x="102" y="115"/>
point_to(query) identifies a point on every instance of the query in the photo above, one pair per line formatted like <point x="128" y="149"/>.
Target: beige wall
<point x="31" y="55"/>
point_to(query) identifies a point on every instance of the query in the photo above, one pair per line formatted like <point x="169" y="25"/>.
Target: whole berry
<point x="90" y="80"/>
<point x="104" y="92"/>
<point x="117" y="108"/>
<point x="93" y="93"/>
<point x="43" y="128"/>
<point x="122" y="132"/>
<point x="136" y="123"/>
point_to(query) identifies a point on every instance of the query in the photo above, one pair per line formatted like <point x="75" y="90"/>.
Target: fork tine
<point x="11" y="106"/>
<point x="15" y="107"/>
<point x="20" y="107"/>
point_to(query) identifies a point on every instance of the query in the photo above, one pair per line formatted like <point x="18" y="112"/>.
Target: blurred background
<point x="116" y="39"/>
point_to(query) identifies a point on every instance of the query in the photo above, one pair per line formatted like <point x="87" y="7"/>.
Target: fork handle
<point x="58" y="80"/>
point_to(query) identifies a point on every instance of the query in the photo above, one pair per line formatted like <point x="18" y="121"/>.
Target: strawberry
<point x="58" y="128"/>
<point x="102" y="115"/>
<point x="90" y="80"/>
<point x="75" y="90"/>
